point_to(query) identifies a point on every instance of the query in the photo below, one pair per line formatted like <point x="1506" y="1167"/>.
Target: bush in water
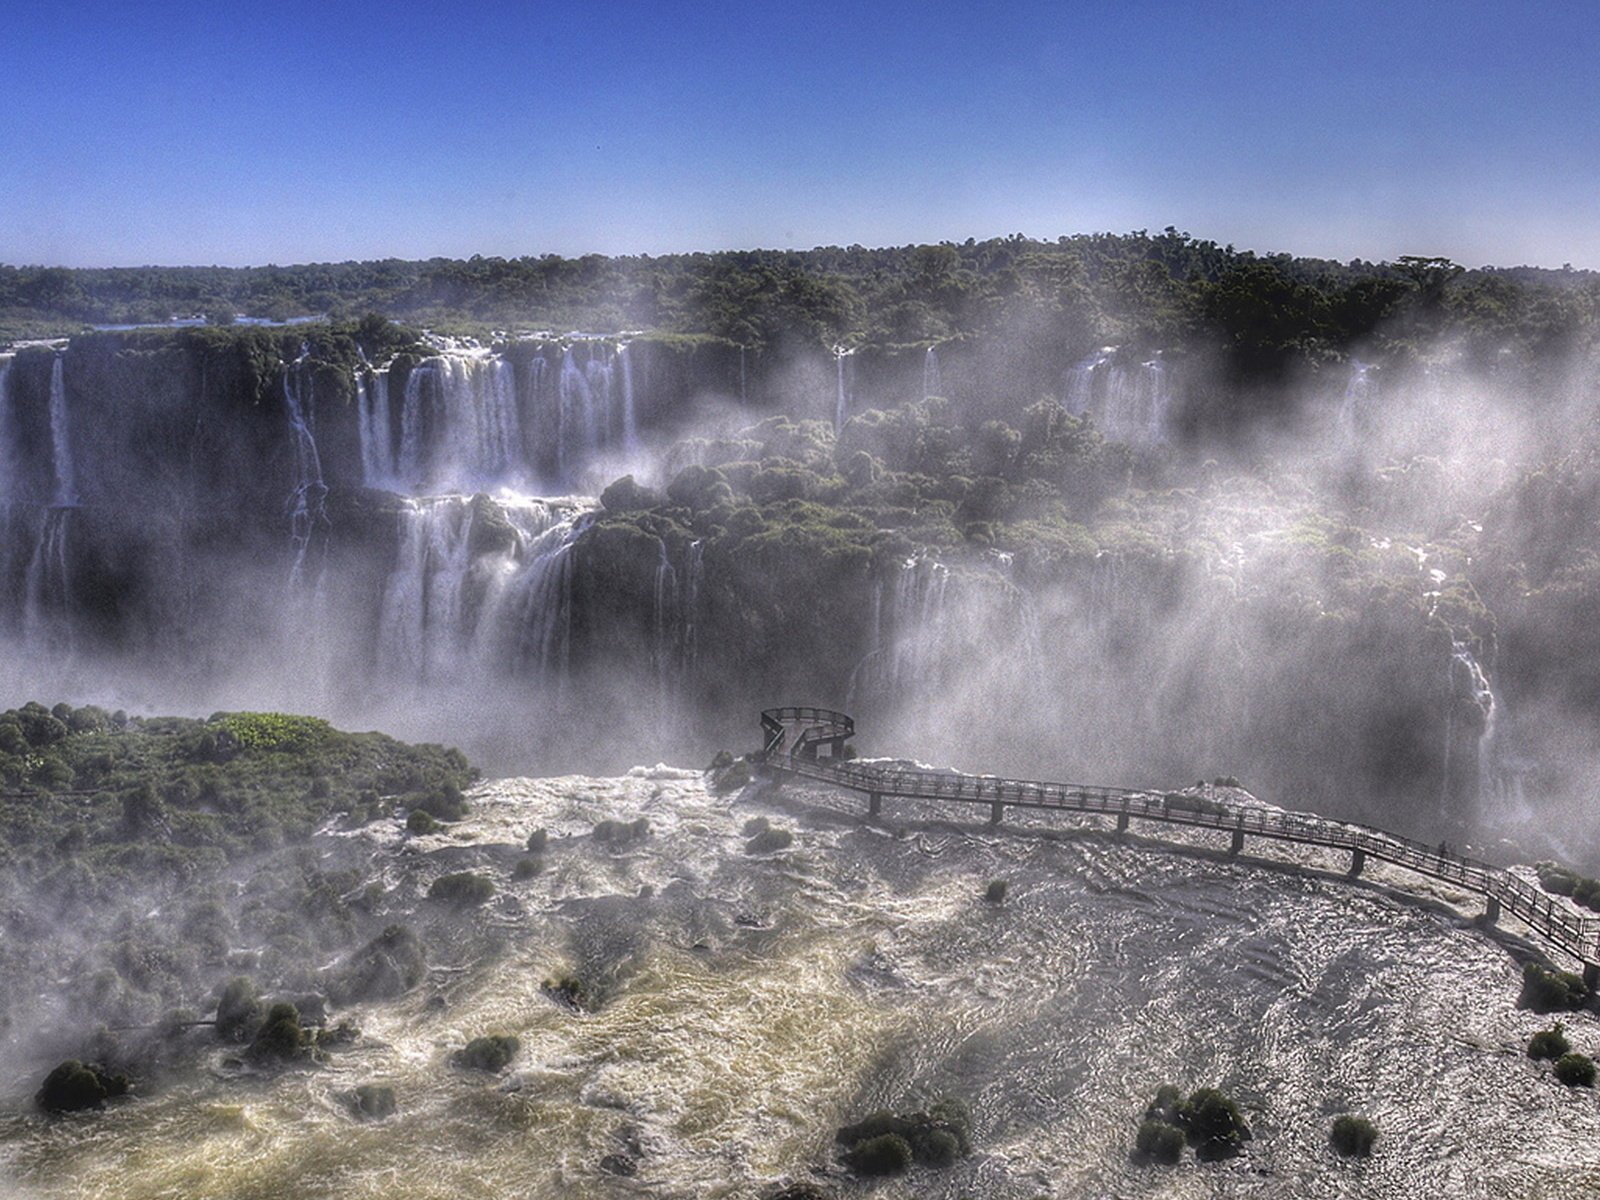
<point x="1353" y="1136"/>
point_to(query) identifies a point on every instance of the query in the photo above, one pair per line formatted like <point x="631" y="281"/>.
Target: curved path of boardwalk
<point x="809" y="743"/>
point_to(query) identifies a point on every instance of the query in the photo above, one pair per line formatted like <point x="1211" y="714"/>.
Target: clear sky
<point x="188" y="133"/>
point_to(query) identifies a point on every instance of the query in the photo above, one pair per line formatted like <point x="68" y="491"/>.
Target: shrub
<point x="621" y="833"/>
<point x="445" y="803"/>
<point x="1212" y="1123"/>
<point x="420" y="821"/>
<point x="1158" y="1142"/>
<point x="374" y="1101"/>
<point x="1549" y="1043"/>
<point x="1557" y="879"/>
<point x="887" y="1154"/>
<point x="280" y="1037"/>
<point x="492" y="1053"/>
<point x="769" y="841"/>
<point x="74" y="1086"/>
<point x="935" y="1137"/>
<point x="995" y="893"/>
<point x="1575" y="1070"/>
<point x="538" y="840"/>
<point x="462" y="887"/>
<point x="755" y="825"/>
<point x="1353" y="1136"/>
<point x="1550" y="991"/>
<point x="238" y="1010"/>
<point x="528" y="867"/>
<point x="1166" y="1106"/>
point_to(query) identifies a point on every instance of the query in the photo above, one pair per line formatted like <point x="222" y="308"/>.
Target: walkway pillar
<point x="1491" y="911"/>
<point x="1358" y="859"/>
<point x="1238" y="842"/>
<point x="1591" y="976"/>
<point x="1122" y="822"/>
<point x="996" y="810"/>
<point x="874" y="804"/>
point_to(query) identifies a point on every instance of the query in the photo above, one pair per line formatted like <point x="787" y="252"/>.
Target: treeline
<point x="1264" y="312"/>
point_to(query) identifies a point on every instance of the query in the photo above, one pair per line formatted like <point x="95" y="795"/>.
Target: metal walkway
<point x="793" y="739"/>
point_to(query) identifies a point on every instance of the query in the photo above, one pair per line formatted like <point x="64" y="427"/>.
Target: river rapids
<point x="749" y="1004"/>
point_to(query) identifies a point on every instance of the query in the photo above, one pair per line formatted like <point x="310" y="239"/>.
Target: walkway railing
<point x="793" y="737"/>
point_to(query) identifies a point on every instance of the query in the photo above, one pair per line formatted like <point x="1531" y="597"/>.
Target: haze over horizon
<point x="292" y="133"/>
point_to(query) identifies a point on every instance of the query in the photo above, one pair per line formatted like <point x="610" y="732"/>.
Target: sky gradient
<point x="298" y="132"/>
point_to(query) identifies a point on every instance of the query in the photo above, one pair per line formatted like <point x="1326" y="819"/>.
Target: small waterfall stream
<point x="308" y="491"/>
<point x="66" y="492"/>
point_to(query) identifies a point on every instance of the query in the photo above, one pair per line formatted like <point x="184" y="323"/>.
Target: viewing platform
<point x="810" y="743"/>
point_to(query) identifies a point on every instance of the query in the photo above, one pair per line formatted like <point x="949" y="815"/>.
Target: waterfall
<point x="664" y="656"/>
<point x="8" y="463"/>
<point x="66" y="493"/>
<point x="305" y="505"/>
<point x="841" y="407"/>
<point x="47" y="590"/>
<point x="411" y="465"/>
<point x="378" y="467"/>
<point x="931" y="385"/>
<point x="576" y="412"/>
<point x="694" y="584"/>
<point x="460" y="425"/>
<point x="1356" y="405"/>
<point x="1130" y="404"/>
<point x="630" y="421"/>
<point x="743" y="395"/>
<point x="1499" y="782"/>
<point x="1081" y="379"/>
<point x="452" y="613"/>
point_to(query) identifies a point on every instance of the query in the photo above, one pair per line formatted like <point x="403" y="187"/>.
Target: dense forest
<point x="1266" y="311"/>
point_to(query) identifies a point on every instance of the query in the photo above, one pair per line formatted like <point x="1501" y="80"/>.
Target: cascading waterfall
<point x="66" y="493"/>
<point x="1499" y="783"/>
<point x="693" y="585"/>
<point x="1081" y="377"/>
<point x="8" y="463"/>
<point x="931" y="383"/>
<point x="449" y="614"/>
<point x="841" y="407"/>
<point x="47" y="589"/>
<point x="1358" y="394"/>
<point x="1130" y="404"/>
<point x="630" y="421"/>
<point x="664" y="652"/>
<point x="378" y="467"/>
<point x="460" y="426"/>
<point x="305" y="505"/>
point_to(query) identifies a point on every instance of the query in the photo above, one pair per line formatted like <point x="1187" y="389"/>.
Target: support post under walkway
<point x="1358" y="859"/>
<point x="1491" y="911"/>
<point x="874" y="804"/>
<point x="996" y="812"/>
<point x="1122" y="822"/>
<point x="1238" y="842"/>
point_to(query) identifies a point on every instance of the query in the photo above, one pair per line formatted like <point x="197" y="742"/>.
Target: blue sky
<point x="295" y="132"/>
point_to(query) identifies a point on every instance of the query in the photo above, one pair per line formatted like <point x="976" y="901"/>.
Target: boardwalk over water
<point x="809" y="743"/>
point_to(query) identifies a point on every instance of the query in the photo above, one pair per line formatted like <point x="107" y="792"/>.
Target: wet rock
<point x="374" y="1101"/>
<point x="492" y="1053"/>
<point x="619" y="1164"/>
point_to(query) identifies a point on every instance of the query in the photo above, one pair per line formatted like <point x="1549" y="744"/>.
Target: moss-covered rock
<point x="74" y="1086"/>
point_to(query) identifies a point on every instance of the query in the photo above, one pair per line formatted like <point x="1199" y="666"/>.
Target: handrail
<point x="1578" y="935"/>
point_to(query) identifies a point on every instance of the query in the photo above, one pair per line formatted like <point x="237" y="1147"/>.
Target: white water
<point x="66" y="492"/>
<point x="755" y="1003"/>
<point x="931" y="383"/>
<point x="47" y="588"/>
<point x="460" y="426"/>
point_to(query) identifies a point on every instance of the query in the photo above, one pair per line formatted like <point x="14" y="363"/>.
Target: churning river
<point x="750" y="1004"/>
